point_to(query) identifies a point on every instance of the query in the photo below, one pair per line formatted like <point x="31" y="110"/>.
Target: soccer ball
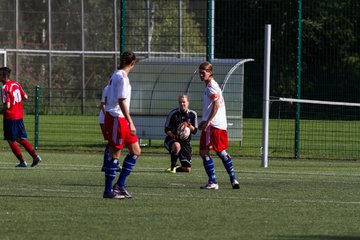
<point x="183" y="132"/>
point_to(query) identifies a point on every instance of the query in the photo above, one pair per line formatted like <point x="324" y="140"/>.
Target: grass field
<point x="319" y="139"/>
<point x="62" y="199"/>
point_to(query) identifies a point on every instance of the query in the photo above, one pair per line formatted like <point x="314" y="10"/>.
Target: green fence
<point x="69" y="48"/>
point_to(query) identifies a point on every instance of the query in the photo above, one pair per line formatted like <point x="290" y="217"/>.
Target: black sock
<point x="174" y="157"/>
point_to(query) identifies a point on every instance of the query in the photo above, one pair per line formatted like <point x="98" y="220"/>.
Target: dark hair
<point x="5" y="70"/>
<point x="126" y="59"/>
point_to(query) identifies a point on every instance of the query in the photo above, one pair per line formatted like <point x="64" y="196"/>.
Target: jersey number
<point x="17" y="96"/>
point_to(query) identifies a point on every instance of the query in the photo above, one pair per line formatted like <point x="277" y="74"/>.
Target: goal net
<point x="326" y="130"/>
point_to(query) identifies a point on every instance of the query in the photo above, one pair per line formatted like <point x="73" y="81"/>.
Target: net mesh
<point x="328" y="130"/>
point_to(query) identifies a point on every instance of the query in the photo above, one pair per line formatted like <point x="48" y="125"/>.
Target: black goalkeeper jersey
<point x="176" y="117"/>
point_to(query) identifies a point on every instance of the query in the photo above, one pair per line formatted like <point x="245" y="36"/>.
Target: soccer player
<point x="101" y="119"/>
<point x="214" y="129"/>
<point x="179" y="148"/>
<point x="101" y="123"/>
<point x="14" y="129"/>
<point x="120" y="129"/>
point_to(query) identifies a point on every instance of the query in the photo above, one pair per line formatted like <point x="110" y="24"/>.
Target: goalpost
<point x="328" y="129"/>
<point x="3" y="58"/>
<point x="266" y="97"/>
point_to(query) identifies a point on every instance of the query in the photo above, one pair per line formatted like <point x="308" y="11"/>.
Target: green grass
<point x="318" y="139"/>
<point x="62" y="199"/>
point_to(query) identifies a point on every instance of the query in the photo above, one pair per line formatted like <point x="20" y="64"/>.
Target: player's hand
<point x="186" y="124"/>
<point x="132" y="129"/>
<point x="203" y="125"/>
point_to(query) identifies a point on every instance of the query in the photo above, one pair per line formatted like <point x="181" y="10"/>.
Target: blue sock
<point x="128" y="165"/>
<point x="209" y="168"/>
<point x="110" y="173"/>
<point x="106" y="154"/>
<point x="227" y="162"/>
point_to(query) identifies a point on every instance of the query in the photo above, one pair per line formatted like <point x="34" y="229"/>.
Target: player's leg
<point x="10" y="134"/>
<point x="17" y="152"/>
<point x="185" y="156"/>
<point x="127" y="167"/>
<point x="174" y="152"/>
<point x="112" y="162"/>
<point x="29" y="148"/>
<point x="207" y="161"/>
<point x="173" y="146"/>
<point x="21" y="138"/>
<point x="132" y="143"/>
<point x="220" y="144"/>
<point x="106" y="157"/>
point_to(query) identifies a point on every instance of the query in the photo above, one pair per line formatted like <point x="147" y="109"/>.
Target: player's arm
<point x="102" y="105"/>
<point x="23" y="93"/>
<point x="6" y="101"/>
<point x="169" y="133"/>
<point x="168" y="126"/>
<point x="193" y="124"/>
<point x="214" y="109"/>
<point x="123" y="107"/>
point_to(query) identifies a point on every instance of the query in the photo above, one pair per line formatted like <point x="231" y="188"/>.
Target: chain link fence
<point x="69" y="48"/>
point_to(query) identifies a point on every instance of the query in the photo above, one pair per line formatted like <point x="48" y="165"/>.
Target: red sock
<point x="16" y="150"/>
<point x="27" y="145"/>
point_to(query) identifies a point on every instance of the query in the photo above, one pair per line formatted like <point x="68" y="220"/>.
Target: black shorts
<point x="185" y="154"/>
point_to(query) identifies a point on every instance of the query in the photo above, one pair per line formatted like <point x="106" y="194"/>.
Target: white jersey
<point x="212" y="94"/>
<point x="103" y="96"/>
<point x="118" y="88"/>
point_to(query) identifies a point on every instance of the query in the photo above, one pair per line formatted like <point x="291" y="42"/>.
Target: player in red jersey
<point x="13" y="125"/>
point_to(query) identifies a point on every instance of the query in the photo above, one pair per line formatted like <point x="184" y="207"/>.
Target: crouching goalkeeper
<point x="179" y="147"/>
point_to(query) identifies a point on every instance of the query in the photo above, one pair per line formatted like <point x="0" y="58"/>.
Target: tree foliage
<point x="330" y="47"/>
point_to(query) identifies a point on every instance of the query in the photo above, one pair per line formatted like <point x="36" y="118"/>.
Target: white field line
<point x="77" y="167"/>
<point x="181" y="198"/>
<point x="140" y="170"/>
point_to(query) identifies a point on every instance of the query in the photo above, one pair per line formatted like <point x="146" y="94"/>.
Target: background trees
<point x="330" y="41"/>
<point x="330" y="47"/>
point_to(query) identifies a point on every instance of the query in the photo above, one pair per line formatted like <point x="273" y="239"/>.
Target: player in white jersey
<point x="101" y="120"/>
<point x="214" y="129"/>
<point x="120" y="129"/>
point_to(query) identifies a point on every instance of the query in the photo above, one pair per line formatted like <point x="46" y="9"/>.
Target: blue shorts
<point x="14" y="129"/>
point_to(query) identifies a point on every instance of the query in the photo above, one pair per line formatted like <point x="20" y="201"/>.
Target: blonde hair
<point x="207" y="67"/>
<point x="183" y="96"/>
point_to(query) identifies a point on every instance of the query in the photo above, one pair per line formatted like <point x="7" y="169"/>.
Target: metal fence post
<point x="37" y="106"/>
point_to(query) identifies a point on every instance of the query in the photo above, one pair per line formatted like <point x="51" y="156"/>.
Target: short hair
<point x="126" y="59"/>
<point x="207" y="67"/>
<point x="5" y="70"/>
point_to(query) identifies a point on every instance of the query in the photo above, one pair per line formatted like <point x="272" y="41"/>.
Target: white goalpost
<point x="266" y="97"/>
<point x="3" y="58"/>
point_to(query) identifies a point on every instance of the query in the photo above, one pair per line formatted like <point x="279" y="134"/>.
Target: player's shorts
<point x="117" y="131"/>
<point x="185" y="154"/>
<point x="14" y="129"/>
<point x="214" y="139"/>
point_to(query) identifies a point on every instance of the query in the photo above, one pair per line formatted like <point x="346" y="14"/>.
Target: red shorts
<point x="214" y="139"/>
<point x="117" y="131"/>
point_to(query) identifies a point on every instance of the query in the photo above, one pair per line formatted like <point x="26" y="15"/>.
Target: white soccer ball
<point x="183" y="132"/>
